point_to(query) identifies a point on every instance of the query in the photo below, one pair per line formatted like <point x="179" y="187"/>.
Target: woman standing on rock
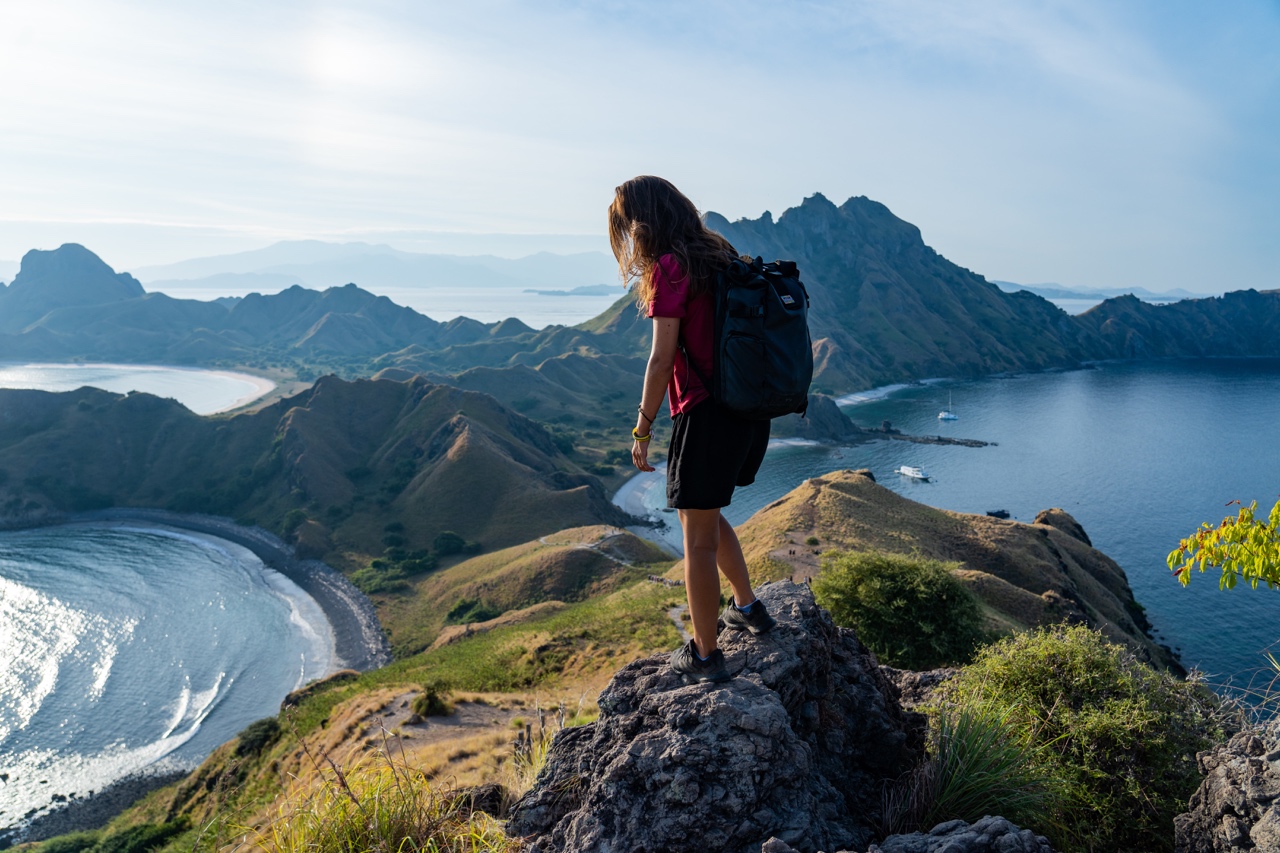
<point x="661" y="243"/>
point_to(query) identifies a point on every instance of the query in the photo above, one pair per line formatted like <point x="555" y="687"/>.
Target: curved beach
<point x="359" y="642"/>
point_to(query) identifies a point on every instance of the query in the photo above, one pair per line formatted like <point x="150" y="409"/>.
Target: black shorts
<point x="711" y="452"/>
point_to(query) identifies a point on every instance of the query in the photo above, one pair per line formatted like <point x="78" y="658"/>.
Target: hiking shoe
<point x="757" y="620"/>
<point x="685" y="661"/>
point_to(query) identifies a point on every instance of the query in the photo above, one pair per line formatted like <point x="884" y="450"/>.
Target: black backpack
<point x="762" y="357"/>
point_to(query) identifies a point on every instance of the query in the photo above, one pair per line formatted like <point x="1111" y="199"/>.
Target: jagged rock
<point x="823" y="421"/>
<point x="916" y="688"/>
<point x="989" y="835"/>
<point x="490" y="798"/>
<point x="797" y="745"/>
<point x="1236" y="807"/>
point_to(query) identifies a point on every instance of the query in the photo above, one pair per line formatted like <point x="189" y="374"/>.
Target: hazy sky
<point x="1092" y="143"/>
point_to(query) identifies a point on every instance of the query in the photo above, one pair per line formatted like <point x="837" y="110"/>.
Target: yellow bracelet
<point x="638" y="437"/>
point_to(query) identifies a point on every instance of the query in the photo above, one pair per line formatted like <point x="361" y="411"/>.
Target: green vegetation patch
<point x="1120" y="736"/>
<point x="912" y="612"/>
<point x="974" y="768"/>
<point x="433" y="701"/>
<point x="257" y="737"/>
<point x="140" y="838"/>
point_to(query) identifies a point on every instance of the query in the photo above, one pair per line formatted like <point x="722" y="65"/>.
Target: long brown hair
<point x="650" y="218"/>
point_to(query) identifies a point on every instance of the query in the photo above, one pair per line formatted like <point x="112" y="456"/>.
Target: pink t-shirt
<point x="697" y="329"/>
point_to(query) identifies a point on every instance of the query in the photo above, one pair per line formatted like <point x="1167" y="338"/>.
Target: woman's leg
<point x="709" y="542"/>
<point x="730" y="560"/>
<point x="701" y="580"/>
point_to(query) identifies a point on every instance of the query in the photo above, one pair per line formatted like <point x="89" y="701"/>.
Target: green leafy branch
<point x="1242" y="546"/>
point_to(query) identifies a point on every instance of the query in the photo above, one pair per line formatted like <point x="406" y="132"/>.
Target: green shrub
<point x="448" y="543"/>
<point x="470" y="610"/>
<point x="910" y="611"/>
<point x="72" y="842"/>
<point x="258" y="736"/>
<point x="974" y="768"/>
<point x="379" y="577"/>
<point x="433" y="701"/>
<point x="141" y="838"/>
<point x="293" y="519"/>
<point x="1121" y="736"/>
<point x="811" y="540"/>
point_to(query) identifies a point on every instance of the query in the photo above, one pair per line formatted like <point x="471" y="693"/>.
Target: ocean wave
<point x="306" y="615"/>
<point x="38" y="634"/>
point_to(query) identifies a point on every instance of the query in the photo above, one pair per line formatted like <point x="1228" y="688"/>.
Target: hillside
<point x="347" y="470"/>
<point x="506" y="587"/>
<point x="886" y="307"/>
<point x="1243" y="323"/>
<point x="574" y="607"/>
<point x="1025" y="575"/>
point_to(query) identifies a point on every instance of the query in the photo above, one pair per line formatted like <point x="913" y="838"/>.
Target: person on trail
<point x="662" y="245"/>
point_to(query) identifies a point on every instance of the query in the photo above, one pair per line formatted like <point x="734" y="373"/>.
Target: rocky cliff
<point x="1237" y="807"/>
<point x="797" y="745"/>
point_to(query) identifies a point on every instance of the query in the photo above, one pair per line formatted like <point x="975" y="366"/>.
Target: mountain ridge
<point x="886" y="308"/>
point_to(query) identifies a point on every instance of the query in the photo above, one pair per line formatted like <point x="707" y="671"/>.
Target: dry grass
<point x="1025" y="575"/>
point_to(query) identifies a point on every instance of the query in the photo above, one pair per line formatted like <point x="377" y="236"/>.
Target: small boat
<point x="998" y="513"/>
<point x="913" y="472"/>
<point x="946" y="414"/>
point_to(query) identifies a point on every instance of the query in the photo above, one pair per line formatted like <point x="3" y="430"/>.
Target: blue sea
<point x="127" y="648"/>
<point x="1139" y="453"/>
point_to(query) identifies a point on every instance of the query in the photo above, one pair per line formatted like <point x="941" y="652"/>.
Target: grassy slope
<point x="556" y="652"/>
<point x="570" y="566"/>
<point x="1024" y="574"/>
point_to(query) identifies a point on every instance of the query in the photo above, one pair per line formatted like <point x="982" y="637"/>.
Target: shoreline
<point x="92" y="811"/>
<point x="358" y="643"/>
<point x="262" y="385"/>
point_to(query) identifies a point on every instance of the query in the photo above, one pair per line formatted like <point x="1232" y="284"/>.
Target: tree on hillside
<point x="448" y="543"/>
<point x="1242" y="546"/>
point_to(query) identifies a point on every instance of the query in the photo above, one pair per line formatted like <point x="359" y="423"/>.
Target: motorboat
<point x="913" y="472"/>
<point x="946" y="414"/>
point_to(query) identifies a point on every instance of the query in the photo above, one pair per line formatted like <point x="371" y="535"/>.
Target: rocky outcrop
<point x="822" y="421"/>
<point x="1062" y="520"/>
<point x="798" y="745"/>
<point x="916" y="689"/>
<point x="1237" y="806"/>
<point x="989" y="835"/>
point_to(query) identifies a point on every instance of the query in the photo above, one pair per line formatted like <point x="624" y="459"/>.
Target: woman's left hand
<point x="640" y="455"/>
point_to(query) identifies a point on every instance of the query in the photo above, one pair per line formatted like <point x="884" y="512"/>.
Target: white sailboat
<point x="946" y="414"/>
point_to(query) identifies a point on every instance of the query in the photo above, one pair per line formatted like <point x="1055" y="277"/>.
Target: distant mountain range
<point x="318" y="264"/>
<point x="885" y="308"/>
<point x="1052" y="290"/>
